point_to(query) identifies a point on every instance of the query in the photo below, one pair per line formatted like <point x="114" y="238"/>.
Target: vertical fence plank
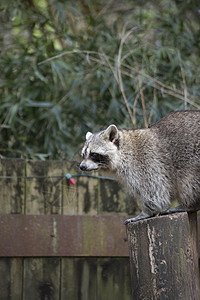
<point x="70" y="204"/>
<point x="11" y="278"/>
<point x="113" y="199"/>
<point x="53" y="188"/>
<point x="12" y="189"/>
<point x="11" y="202"/>
<point x="41" y="278"/>
<point x="88" y="195"/>
<point x="113" y="279"/>
<point x="79" y="279"/>
<point x="44" y="194"/>
<point x="35" y="187"/>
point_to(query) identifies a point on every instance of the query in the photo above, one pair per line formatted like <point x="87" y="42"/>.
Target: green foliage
<point x="72" y="66"/>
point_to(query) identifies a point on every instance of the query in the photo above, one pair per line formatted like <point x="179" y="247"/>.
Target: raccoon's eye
<point x="94" y="156"/>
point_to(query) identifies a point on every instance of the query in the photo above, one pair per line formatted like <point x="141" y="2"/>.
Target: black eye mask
<point x="98" y="158"/>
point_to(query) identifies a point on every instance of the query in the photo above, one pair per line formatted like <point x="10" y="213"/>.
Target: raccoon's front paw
<point x="130" y="221"/>
<point x="142" y="216"/>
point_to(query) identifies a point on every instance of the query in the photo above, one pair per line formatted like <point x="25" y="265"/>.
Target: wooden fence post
<point x="164" y="258"/>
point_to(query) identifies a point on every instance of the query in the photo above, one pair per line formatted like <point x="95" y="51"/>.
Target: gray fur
<point x="158" y="163"/>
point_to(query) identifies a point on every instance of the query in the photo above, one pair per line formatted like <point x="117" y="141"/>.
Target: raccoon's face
<point x="100" y="149"/>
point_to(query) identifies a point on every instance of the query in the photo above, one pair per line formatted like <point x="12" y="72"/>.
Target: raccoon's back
<point x="179" y="120"/>
<point x="179" y="135"/>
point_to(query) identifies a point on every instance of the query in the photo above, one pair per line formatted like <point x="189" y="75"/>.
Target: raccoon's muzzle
<point x="89" y="165"/>
<point x="94" y="162"/>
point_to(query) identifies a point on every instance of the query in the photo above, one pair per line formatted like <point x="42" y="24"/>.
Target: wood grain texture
<point x="70" y="192"/>
<point x="79" y="278"/>
<point x="164" y="257"/>
<point x="11" y="278"/>
<point x="12" y="194"/>
<point x="12" y="200"/>
<point x="95" y="279"/>
<point x="113" y="279"/>
<point x="61" y="235"/>
<point x="43" y="193"/>
<point x="41" y="278"/>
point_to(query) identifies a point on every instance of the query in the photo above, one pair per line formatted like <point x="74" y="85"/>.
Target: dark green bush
<point x="72" y="66"/>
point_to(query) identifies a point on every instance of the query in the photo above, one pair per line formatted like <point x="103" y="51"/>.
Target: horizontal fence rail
<point x="57" y="235"/>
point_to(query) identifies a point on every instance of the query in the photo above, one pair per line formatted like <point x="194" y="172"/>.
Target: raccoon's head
<point x="100" y="149"/>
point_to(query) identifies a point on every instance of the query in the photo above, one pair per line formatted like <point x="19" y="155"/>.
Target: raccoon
<point x="158" y="163"/>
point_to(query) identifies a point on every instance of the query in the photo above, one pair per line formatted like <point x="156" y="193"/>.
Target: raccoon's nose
<point x="83" y="166"/>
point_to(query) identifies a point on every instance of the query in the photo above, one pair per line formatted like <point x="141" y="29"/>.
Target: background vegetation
<point x="72" y="66"/>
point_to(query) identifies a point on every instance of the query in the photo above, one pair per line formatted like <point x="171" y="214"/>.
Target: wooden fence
<point x="61" y="241"/>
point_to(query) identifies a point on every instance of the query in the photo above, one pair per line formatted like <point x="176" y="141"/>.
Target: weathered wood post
<point x="164" y="258"/>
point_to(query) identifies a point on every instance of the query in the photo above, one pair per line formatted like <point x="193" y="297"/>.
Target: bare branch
<point x="121" y="86"/>
<point x="184" y="80"/>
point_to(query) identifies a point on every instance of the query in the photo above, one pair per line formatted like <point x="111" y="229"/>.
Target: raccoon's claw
<point x="130" y="221"/>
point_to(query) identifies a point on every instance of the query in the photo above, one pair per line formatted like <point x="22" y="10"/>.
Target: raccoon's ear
<point x="88" y="134"/>
<point x="112" y="133"/>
